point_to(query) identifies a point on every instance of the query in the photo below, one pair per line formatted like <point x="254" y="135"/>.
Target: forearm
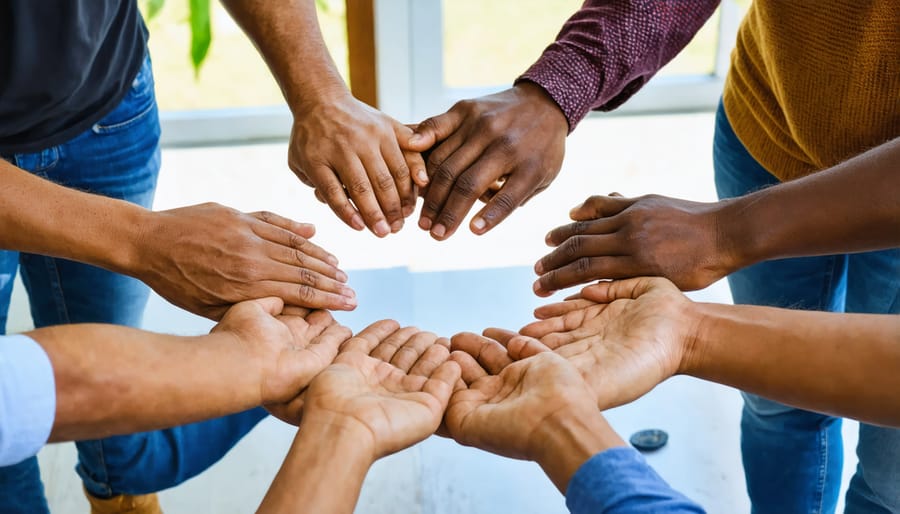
<point x="842" y="364"/>
<point x="321" y="452"/>
<point x="570" y="441"/>
<point x="115" y="380"/>
<point x="609" y="49"/>
<point x="288" y="37"/>
<point x="38" y="216"/>
<point x="852" y="207"/>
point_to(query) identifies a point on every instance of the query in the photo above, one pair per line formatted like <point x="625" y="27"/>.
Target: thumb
<point x="432" y="131"/>
<point x="600" y="207"/>
<point x="272" y="305"/>
<point x="521" y="347"/>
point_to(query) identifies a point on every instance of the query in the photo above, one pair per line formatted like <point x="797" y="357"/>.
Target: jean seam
<point x="823" y="471"/>
<point x="115" y="127"/>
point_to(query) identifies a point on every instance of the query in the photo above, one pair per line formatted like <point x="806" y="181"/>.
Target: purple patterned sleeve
<point x="610" y="48"/>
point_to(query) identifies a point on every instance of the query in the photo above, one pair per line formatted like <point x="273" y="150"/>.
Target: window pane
<point x="491" y="43"/>
<point x="233" y="75"/>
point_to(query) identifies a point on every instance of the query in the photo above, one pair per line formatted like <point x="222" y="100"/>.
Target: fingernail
<point x="396" y="226"/>
<point x="425" y="223"/>
<point x="342" y="277"/>
<point x="349" y="302"/>
<point x="478" y="224"/>
<point x="332" y="260"/>
<point x="423" y="177"/>
<point x="346" y="292"/>
<point x="547" y="239"/>
<point x="536" y="287"/>
<point x="539" y="268"/>
<point x="382" y="229"/>
<point x="408" y="210"/>
<point x="357" y="222"/>
<point x="438" y="231"/>
<point x="415" y="139"/>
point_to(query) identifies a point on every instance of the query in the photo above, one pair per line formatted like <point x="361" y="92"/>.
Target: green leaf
<point x="322" y="5"/>
<point x="201" y="32"/>
<point x="153" y="8"/>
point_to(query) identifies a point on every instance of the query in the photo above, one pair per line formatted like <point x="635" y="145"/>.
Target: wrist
<point x="304" y="100"/>
<point x="125" y="252"/>
<point x="338" y="434"/>
<point x="739" y="241"/>
<point x="539" y="97"/>
<point x="568" y="439"/>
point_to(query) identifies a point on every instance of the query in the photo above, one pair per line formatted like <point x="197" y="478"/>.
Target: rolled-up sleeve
<point x="27" y="398"/>
<point x="619" y="481"/>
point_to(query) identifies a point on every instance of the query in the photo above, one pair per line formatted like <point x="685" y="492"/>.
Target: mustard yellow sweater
<point x="815" y="82"/>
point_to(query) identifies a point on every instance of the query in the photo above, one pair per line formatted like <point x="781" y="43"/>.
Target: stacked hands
<point x="389" y="387"/>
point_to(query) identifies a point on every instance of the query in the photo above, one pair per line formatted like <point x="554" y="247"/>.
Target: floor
<point x="466" y="283"/>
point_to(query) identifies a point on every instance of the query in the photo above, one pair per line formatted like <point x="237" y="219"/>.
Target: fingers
<point x="490" y="354"/>
<point x="472" y="183"/>
<point x="431" y="358"/>
<point x="328" y="344"/>
<point x="388" y="346"/>
<point x="271" y="305"/>
<point x="522" y="347"/>
<point x="608" y="292"/>
<point x="558" y="309"/>
<point x="368" y="338"/>
<point x="581" y="270"/>
<point x="408" y="168"/>
<point x="304" y="291"/>
<point x="601" y="207"/>
<point x="471" y="371"/>
<point x="564" y="233"/>
<point x="407" y="355"/>
<point x="442" y="381"/>
<point x="329" y="188"/>
<point x="306" y="230"/>
<point x="513" y="194"/>
<point x="363" y="188"/>
<point x="576" y="248"/>
<point x="299" y="250"/>
<point x="305" y="328"/>
<point x="434" y="129"/>
<point x="446" y="163"/>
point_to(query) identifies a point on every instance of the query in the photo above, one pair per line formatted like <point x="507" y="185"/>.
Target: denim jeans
<point x="793" y="458"/>
<point x="118" y="157"/>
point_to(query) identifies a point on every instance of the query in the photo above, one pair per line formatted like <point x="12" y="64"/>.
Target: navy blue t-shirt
<point x="64" y="64"/>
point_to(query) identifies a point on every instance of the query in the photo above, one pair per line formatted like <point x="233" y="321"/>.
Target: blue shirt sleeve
<point x="619" y="481"/>
<point x="27" y="398"/>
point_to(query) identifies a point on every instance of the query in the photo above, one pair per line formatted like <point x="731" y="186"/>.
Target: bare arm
<point x="852" y="207"/>
<point x="337" y="142"/>
<point x="784" y="355"/>
<point x="114" y="380"/>
<point x="202" y="258"/>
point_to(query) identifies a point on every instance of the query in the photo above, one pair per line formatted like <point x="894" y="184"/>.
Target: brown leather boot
<point x="125" y="504"/>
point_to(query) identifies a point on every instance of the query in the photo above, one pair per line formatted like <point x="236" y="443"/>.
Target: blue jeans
<point x="119" y="157"/>
<point x="793" y="458"/>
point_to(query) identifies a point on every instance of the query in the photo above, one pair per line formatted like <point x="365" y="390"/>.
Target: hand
<point x="514" y="413"/>
<point x="389" y="409"/>
<point x="204" y="258"/>
<point x="615" y="237"/>
<point x="625" y="337"/>
<point x="287" y="346"/>
<point x="516" y="137"/>
<point x="409" y="349"/>
<point x="342" y="147"/>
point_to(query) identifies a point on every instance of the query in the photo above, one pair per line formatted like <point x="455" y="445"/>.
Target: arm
<point x="507" y="147"/>
<point x="852" y="207"/>
<point x="336" y="140"/>
<point x="202" y="258"/>
<point x="783" y="355"/>
<point x="642" y="331"/>
<point x="541" y="409"/>
<point x="355" y="412"/>
<point x="112" y="380"/>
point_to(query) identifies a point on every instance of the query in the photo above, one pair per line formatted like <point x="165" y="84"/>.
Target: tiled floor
<point x="466" y="283"/>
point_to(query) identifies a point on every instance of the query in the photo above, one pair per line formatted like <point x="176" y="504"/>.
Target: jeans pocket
<point x="137" y="104"/>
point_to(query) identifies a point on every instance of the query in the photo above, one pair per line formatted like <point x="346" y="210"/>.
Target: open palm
<point x="396" y="409"/>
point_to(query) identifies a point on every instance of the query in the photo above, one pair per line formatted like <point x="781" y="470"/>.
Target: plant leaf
<point x="322" y="5"/>
<point x="201" y="32"/>
<point x="153" y="8"/>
